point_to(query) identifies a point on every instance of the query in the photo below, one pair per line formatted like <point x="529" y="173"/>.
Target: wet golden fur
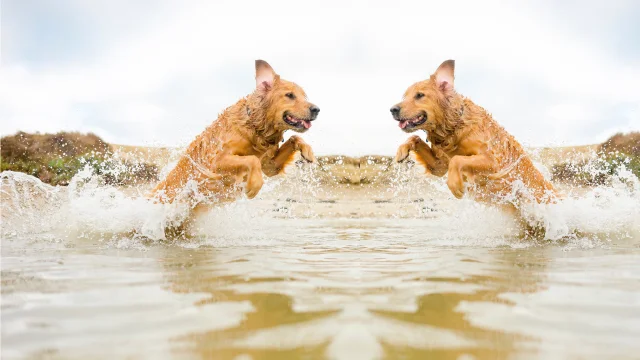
<point x="243" y="144"/>
<point x="466" y="143"/>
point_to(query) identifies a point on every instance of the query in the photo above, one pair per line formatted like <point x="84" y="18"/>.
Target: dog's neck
<point x="266" y="136"/>
<point x="444" y="134"/>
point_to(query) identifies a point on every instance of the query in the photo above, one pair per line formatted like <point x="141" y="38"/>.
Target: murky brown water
<point x="340" y="278"/>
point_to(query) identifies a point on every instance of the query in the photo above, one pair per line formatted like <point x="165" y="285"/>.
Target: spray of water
<point x="90" y="208"/>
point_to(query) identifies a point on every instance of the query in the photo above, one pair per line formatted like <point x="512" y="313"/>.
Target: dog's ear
<point x="265" y="76"/>
<point x="444" y="75"/>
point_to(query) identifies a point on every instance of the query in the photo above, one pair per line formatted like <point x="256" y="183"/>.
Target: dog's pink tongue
<point x="403" y="124"/>
<point x="307" y="124"/>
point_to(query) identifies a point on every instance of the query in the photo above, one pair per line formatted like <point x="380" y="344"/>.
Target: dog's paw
<point x="403" y="153"/>
<point x="305" y="150"/>
<point x="254" y="184"/>
<point x="456" y="185"/>
<point x="307" y="153"/>
<point x="405" y="149"/>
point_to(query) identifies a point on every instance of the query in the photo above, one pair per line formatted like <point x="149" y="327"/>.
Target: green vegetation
<point x="621" y="150"/>
<point x="56" y="158"/>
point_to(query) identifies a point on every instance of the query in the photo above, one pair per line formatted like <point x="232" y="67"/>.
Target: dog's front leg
<point x="274" y="164"/>
<point x="466" y="165"/>
<point x="424" y="154"/>
<point x="248" y="167"/>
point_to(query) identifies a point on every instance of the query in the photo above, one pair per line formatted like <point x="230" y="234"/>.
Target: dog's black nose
<point x="314" y="110"/>
<point x="395" y="110"/>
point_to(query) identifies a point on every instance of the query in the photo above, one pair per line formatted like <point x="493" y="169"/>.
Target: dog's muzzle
<point x="301" y="123"/>
<point x="407" y="123"/>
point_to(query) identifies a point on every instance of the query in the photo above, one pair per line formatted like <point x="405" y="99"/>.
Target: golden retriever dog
<point x="466" y="143"/>
<point x="243" y="144"/>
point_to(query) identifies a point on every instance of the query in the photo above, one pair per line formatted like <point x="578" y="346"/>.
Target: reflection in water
<point x="394" y="300"/>
<point x="268" y="309"/>
<point x="442" y="310"/>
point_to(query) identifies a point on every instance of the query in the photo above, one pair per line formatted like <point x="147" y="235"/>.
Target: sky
<point x="158" y="72"/>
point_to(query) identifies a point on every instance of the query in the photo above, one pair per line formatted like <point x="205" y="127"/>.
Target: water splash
<point x="90" y="208"/>
<point x="25" y="200"/>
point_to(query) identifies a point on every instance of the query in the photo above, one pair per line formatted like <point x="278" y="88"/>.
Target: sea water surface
<point x="306" y="272"/>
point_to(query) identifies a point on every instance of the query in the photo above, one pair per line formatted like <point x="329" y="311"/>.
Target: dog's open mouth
<point x="412" y="122"/>
<point x="296" y="122"/>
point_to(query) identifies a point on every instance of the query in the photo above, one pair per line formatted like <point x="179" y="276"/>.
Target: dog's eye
<point x="290" y="96"/>
<point x="419" y="96"/>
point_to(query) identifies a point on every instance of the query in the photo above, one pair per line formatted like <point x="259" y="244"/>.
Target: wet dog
<point x="467" y="144"/>
<point x="243" y="144"/>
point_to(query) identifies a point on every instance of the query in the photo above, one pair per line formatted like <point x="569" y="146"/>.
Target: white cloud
<point x="164" y="81"/>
